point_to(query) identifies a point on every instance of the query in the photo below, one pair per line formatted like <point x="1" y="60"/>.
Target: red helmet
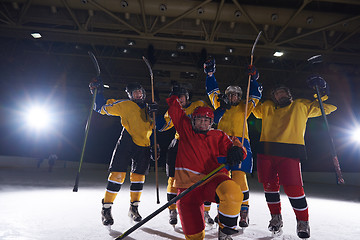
<point x="203" y="112"/>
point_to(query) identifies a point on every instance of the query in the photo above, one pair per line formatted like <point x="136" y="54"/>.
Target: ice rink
<point x="40" y="205"/>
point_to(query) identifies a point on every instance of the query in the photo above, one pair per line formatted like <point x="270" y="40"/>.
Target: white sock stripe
<point x="303" y="196"/>
<point x="110" y="191"/>
<point x="271" y="192"/>
<point x="245" y="191"/>
<point x="274" y="202"/>
<point x="135" y="191"/>
<point x="112" y="181"/>
<point x="230" y="216"/>
<point x="172" y="193"/>
<point x="300" y="209"/>
<point x="138" y="182"/>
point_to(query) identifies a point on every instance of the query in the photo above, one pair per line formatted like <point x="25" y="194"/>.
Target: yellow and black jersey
<point x="283" y="129"/>
<point x="165" y="123"/>
<point x="133" y="118"/>
<point x="231" y="121"/>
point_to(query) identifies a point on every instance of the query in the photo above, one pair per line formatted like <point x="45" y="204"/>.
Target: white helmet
<point x="234" y="89"/>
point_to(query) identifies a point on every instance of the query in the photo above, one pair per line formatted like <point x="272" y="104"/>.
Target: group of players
<point x="198" y="149"/>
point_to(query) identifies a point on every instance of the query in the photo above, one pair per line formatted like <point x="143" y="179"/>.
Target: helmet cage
<point x="184" y="92"/>
<point x="204" y="112"/>
<point x="234" y="89"/>
<point x="287" y="90"/>
<point x="130" y="88"/>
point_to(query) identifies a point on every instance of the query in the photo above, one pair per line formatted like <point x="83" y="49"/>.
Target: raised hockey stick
<point x="339" y="177"/>
<point x="152" y="215"/>
<point x="154" y="130"/>
<point x="248" y="87"/>
<point x="96" y="64"/>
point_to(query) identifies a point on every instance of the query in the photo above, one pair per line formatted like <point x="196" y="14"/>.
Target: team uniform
<point x="132" y="149"/>
<point x="231" y="122"/>
<point x="197" y="157"/>
<point x="282" y="148"/>
<point x="163" y="124"/>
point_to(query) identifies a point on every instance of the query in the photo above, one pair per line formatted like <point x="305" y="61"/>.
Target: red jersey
<point x="197" y="152"/>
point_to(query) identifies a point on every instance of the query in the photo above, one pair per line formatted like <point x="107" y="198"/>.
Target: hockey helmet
<point x="185" y="92"/>
<point x="202" y="112"/>
<point x="234" y="89"/>
<point x="283" y="101"/>
<point x="132" y="87"/>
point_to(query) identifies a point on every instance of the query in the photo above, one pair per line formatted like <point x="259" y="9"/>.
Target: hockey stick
<point x="87" y="127"/>
<point x="152" y="215"/>
<point x="339" y="178"/>
<point x="154" y="129"/>
<point x="248" y="87"/>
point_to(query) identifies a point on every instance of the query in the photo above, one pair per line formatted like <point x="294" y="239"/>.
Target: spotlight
<point x="278" y="54"/>
<point x="131" y="43"/>
<point x="180" y="46"/>
<point x="200" y="10"/>
<point x="36" y="35"/>
<point x="229" y="50"/>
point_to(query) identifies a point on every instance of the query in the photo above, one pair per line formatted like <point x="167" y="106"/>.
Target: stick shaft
<point x="87" y="127"/>
<point x="152" y="215"/>
<point x="339" y="177"/>
<point x="248" y="87"/>
<point x="154" y="130"/>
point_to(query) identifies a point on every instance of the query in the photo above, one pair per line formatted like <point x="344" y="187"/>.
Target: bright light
<point x="38" y="118"/>
<point x="278" y="54"/>
<point x="36" y="35"/>
<point x="356" y="135"/>
<point x="106" y="86"/>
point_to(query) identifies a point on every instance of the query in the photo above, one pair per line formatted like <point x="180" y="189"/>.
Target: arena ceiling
<point x="177" y="36"/>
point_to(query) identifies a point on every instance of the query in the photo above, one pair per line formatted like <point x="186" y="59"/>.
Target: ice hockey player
<point x="132" y="148"/>
<point x="164" y="123"/>
<point x="282" y="149"/>
<point x="198" y="149"/>
<point x="229" y="116"/>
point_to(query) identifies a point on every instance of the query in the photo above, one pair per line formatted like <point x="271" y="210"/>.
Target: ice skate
<point x="225" y="233"/>
<point x="134" y="213"/>
<point x="303" y="229"/>
<point x="208" y="219"/>
<point x="276" y="224"/>
<point x="173" y="216"/>
<point x="106" y="216"/>
<point x="244" y="216"/>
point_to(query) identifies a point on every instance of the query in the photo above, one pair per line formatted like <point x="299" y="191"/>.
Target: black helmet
<point x="283" y="102"/>
<point x="185" y="92"/>
<point x="132" y="87"/>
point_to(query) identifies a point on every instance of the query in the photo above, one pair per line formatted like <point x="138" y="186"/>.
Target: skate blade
<point x="108" y="227"/>
<point x="277" y="233"/>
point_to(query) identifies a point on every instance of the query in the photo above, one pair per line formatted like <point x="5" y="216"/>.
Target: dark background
<point x="55" y="70"/>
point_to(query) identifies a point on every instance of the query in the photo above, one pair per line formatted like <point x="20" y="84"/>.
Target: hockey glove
<point x="315" y="80"/>
<point x="224" y="101"/>
<point x="152" y="108"/>
<point x="251" y="70"/>
<point x="235" y="156"/>
<point x="152" y="152"/>
<point x="175" y="89"/>
<point x="210" y="66"/>
<point x="96" y="83"/>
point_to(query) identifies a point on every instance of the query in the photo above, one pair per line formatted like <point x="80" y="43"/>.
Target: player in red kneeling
<point x="199" y="147"/>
